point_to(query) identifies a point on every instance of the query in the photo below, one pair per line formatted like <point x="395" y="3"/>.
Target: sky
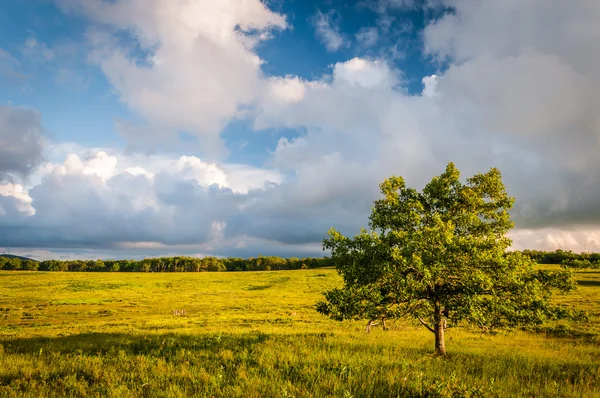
<point x="135" y="128"/>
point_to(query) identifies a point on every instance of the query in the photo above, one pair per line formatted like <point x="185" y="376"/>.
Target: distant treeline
<point x="167" y="264"/>
<point x="261" y="263"/>
<point x="567" y="259"/>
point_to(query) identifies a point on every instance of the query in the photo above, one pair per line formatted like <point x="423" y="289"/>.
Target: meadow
<point x="257" y="334"/>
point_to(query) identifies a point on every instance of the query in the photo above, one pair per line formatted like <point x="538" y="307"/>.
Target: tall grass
<point x="258" y="335"/>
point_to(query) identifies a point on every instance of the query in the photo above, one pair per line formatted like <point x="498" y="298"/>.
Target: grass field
<point x="256" y="334"/>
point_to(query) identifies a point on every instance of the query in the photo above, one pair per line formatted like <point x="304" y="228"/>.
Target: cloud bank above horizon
<point x="184" y="128"/>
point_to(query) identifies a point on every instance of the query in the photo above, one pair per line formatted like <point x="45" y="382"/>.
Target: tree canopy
<point x="440" y="257"/>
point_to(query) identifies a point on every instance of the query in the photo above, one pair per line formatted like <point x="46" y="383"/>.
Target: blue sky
<point x="134" y="128"/>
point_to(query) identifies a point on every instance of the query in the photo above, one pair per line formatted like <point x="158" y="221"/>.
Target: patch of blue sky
<point x="53" y="75"/>
<point x="298" y="51"/>
<point x="254" y="147"/>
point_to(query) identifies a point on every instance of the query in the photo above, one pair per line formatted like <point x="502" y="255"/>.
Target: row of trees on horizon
<point x="168" y="264"/>
<point x="568" y="259"/>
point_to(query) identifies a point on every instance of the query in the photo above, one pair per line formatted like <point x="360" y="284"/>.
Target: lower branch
<point x="369" y="324"/>
<point x="426" y="325"/>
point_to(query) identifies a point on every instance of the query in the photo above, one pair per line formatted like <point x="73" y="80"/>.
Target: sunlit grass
<point x="256" y="334"/>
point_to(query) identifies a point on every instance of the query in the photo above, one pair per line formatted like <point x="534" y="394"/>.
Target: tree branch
<point x="426" y="325"/>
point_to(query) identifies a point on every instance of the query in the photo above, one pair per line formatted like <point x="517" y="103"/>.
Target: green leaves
<point x="440" y="255"/>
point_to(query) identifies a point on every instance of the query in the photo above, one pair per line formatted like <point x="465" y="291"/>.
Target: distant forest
<point x="167" y="264"/>
<point x="567" y="259"/>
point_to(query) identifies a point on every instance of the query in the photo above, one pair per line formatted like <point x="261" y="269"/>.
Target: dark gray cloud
<point x="20" y="141"/>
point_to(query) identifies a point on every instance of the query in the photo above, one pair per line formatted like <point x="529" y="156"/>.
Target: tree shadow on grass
<point x="166" y="344"/>
<point x="589" y="283"/>
<point x="258" y="287"/>
<point x="132" y="344"/>
<point x="564" y="332"/>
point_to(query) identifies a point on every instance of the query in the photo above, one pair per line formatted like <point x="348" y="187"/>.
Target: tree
<point x="440" y="257"/>
<point x="29" y="265"/>
<point x="12" y="263"/>
<point x="99" y="266"/>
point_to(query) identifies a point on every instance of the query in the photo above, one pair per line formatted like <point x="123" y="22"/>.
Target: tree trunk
<point x="370" y="324"/>
<point x="438" y="329"/>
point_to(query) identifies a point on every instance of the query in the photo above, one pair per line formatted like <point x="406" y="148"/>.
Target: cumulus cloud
<point x="191" y="65"/>
<point x="367" y="74"/>
<point x="96" y="199"/>
<point x="15" y="202"/>
<point x="20" y="155"/>
<point x="429" y="86"/>
<point x="288" y="89"/>
<point x="327" y="28"/>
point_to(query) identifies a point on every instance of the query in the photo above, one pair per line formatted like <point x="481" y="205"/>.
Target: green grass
<point x="256" y="334"/>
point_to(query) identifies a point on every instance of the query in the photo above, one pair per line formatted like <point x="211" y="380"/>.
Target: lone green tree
<point x="440" y="257"/>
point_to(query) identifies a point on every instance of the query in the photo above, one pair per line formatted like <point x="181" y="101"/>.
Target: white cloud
<point x="288" y="89"/>
<point x="429" y="86"/>
<point x="350" y="102"/>
<point x="99" y="164"/>
<point x="367" y="36"/>
<point x="585" y="239"/>
<point x="97" y="199"/>
<point x="197" y="64"/>
<point x="16" y="197"/>
<point x="241" y="178"/>
<point x="327" y="27"/>
<point x="204" y="174"/>
<point x="368" y="74"/>
<point x="137" y="170"/>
